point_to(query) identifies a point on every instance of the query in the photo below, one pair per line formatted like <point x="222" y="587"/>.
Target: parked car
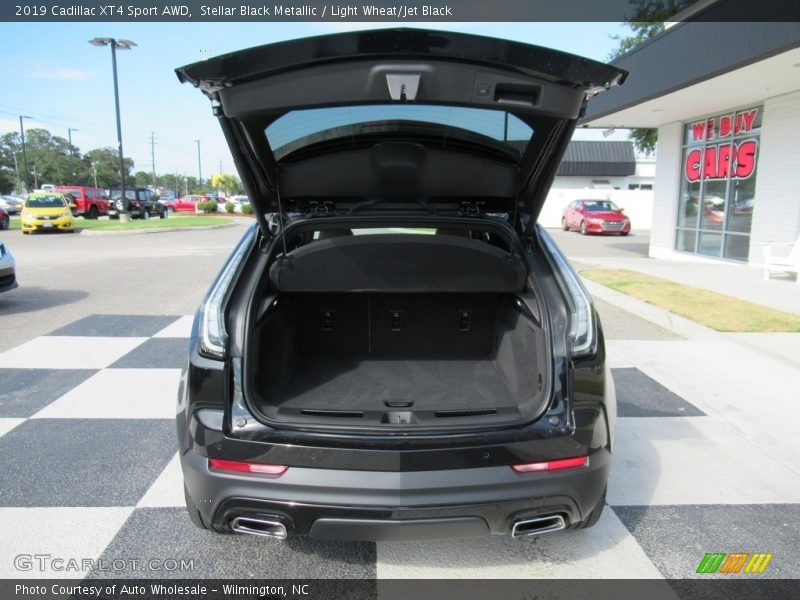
<point x="238" y="202"/>
<point x="186" y="203"/>
<point x="90" y="202"/>
<point x="138" y="202"/>
<point x="47" y="187"/>
<point x="166" y="195"/>
<point x="595" y="216"/>
<point x="11" y="204"/>
<point x="47" y="211"/>
<point x="395" y="384"/>
<point x="5" y="220"/>
<point x="8" y="273"/>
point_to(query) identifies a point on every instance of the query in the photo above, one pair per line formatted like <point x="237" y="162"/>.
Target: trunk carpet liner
<point x="364" y="385"/>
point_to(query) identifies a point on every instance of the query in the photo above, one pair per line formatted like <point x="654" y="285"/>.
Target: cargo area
<point x="398" y="358"/>
<point x="398" y="330"/>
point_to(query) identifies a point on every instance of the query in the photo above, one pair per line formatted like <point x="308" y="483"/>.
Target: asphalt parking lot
<point x="91" y="347"/>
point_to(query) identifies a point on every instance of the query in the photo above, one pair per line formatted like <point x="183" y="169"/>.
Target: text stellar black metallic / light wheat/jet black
<point x="396" y="350"/>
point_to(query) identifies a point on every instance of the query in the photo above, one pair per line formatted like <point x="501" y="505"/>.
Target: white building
<point x="725" y="97"/>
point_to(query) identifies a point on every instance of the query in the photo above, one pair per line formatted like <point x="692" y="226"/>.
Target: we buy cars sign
<point x="728" y="159"/>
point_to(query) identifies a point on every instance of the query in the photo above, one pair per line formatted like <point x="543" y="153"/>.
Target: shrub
<point x="207" y="206"/>
<point x="247" y="209"/>
<point x="229" y="206"/>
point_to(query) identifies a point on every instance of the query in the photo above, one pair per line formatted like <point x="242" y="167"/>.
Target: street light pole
<point x="199" y="170"/>
<point x="122" y="45"/>
<point x="26" y="178"/>
<point x="71" y="152"/>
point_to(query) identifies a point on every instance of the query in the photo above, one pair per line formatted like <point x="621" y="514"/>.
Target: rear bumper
<point x="382" y="505"/>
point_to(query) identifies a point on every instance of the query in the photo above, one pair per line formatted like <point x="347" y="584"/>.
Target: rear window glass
<point x="300" y="128"/>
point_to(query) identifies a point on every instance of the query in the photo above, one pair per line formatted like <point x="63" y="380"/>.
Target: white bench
<point x="782" y="263"/>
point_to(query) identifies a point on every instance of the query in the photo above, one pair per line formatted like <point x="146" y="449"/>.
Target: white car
<point x="8" y="274"/>
<point x="237" y="202"/>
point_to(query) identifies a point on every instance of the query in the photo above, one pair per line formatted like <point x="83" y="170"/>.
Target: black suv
<point x="396" y="349"/>
<point x="139" y="202"/>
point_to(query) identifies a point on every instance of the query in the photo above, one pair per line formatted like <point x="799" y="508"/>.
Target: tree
<point x="646" y="22"/>
<point x="49" y="158"/>
<point x="142" y="179"/>
<point x="10" y="149"/>
<point x="230" y="184"/>
<point x="106" y="163"/>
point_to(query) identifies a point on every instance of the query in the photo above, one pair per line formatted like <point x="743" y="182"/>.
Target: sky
<point x="52" y="74"/>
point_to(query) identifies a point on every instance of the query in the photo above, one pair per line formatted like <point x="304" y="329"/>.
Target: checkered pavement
<point x="704" y="462"/>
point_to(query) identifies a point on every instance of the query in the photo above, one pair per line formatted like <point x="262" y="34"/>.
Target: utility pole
<point x="71" y="152"/>
<point x="35" y="178"/>
<point x="26" y="179"/>
<point x="16" y="170"/>
<point x="153" y="156"/>
<point x="199" y="168"/>
<point x="94" y="173"/>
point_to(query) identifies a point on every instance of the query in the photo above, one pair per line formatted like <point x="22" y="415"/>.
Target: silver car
<point x="8" y="275"/>
<point x="11" y="204"/>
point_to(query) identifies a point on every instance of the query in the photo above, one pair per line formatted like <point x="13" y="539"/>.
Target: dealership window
<point x="718" y="182"/>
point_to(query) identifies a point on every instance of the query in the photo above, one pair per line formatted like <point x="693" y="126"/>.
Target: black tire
<point x="163" y="213"/>
<point x="194" y="515"/>
<point x="92" y="213"/>
<point x="594" y="516"/>
<point x="564" y="225"/>
<point x="4" y="222"/>
<point x="145" y="214"/>
<point x="624" y="232"/>
<point x="583" y="228"/>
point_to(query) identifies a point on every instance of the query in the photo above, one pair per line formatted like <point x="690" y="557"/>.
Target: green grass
<point x="713" y="310"/>
<point x="172" y="222"/>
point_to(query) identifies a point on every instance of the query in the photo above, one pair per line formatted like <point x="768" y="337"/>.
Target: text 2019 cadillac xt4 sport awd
<point x="396" y="350"/>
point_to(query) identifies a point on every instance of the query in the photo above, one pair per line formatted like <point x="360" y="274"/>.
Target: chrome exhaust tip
<point x="262" y="527"/>
<point x="538" y="525"/>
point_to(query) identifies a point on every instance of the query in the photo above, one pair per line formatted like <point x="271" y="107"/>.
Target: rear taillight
<point x="236" y="466"/>
<point x="552" y="465"/>
<point x="581" y="334"/>
<point x="213" y="337"/>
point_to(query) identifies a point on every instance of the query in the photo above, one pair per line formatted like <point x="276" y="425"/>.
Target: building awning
<point x="697" y="68"/>
<point x="597" y="159"/>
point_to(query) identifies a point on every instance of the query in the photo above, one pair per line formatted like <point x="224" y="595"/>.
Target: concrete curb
<point x="658" y="316"/>
<point x="154" y="229"/>
<point x="676" y="324"/>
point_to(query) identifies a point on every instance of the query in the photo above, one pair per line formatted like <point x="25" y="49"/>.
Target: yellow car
<point x="47" y="211"/>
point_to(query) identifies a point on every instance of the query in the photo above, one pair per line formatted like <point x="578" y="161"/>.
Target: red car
<point x="184" y="204"/>
<point x="595" y="216"/>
